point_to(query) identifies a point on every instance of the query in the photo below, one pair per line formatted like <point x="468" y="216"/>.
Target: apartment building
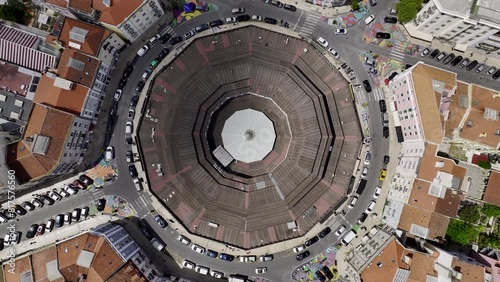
<point x="464" y="23"/>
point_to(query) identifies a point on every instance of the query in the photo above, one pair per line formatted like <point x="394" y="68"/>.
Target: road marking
<point x="309" y="25"/>
<point x="297" y="23"/>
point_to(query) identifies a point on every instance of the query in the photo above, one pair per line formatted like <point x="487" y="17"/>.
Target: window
<point x="443" y="25"/>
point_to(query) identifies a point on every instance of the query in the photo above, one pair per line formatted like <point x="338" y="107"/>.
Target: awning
<point x="460" y="47"/>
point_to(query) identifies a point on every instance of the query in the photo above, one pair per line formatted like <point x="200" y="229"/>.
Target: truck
<point x="361" y="186"/>
<point x="348" y="237"/>
<point x="157" y="244"/>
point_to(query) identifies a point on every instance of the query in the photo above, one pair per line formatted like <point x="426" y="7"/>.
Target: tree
<point x="489" y="240"/>
<point x="355" y="5"/>
<point x="14" y="11"/>
<point x="461" y="233"/>
<point x="491" y="210"/>
<point x="408" y="9"/>
<point x="469" y="213"/>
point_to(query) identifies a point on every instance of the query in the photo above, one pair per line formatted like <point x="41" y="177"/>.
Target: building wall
<point x="61" y="10"/>
<point x="92" y="105"/>
<point x="75" y="147"/>
<point x="109" y="47"/>
<point x="141" y="19"/>
<point x="406" y="106"/>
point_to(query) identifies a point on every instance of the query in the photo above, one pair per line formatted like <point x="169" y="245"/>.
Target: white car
<point x="188" y="34"/>
<point x="369" y="19"/>
<point x="340" y="230"/>
<point x="341" y="31"/>
<point x="334" y="53"/>
<point x="110" y="153"/>
<point x="184" y="240"/>
<point x="238" y="11"/>
<point x="353" y="202"/>
<point x="129" y="127"/>
<point x="230" y="20"/>
<point x="154" y="39"/>
<point x="256" y="18"/>
<point x="370" y="207"/>
<point x="378" y="190"/>
<point x="70" y="190"/>
<point x="188" y="264"/>
<point x="261" y="270"/>
<point x="299" y="249"/>
<point x="322" y="41"/>
<point x="144" y="49"/>
<point x="118" y="95"/>
<point x="216" y="274"/>
<point x="248" y="259"/>
<point x="198" y="249"/>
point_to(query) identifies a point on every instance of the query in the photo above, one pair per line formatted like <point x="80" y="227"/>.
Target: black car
<point x="212" y="254"/>
<point x="434" y="53"/>
<point x="128" y="71"/>
<point x="449" y="58"/>
<point x="85" y="179"/>
<point x="123" y="82"/>
<point x="175" y="40"/>
<point x="163" y="54"/>
<point x="302" y="256"/>
<point x="146" y="233"/>
<point x="456" y="61"/>
<point x="321" y="277"/>
<point x="161" y="221"/>
<point x="290" y="7"/>
<point x="164" y="39"/>
<point x="224" y="256"/>
<point x="385" y="132"/>
<point x="383" y="35"/>
<point x="8" y="214"/>
<point x="243" y="18"/>
<point x="324" y="232"/>
<point x="367" y="86"/>
<point x="276" y="3"/>
<point x="362" y="218"/>
<point x="140" y="86"/>
<point x="383" y="107"/>
<point x="20" y="210"/>
<point x="311" y="241"/>
<point x="472" y="65"/>
<point x="328" y="273"/>
<point x="132" y="170"/>
<point x="59" y="220"/>
<point x="31" y="233"/>
<point x="134" y="101"/>
<point x="270" y="20"/>
<point x="386" y="159"/>
<point x="216" y="23"/>
<point x="496" y="75"/>
<point x="101" y="204"/>
<point x="391" y="20"/>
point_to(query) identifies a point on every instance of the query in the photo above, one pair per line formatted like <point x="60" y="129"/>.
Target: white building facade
<point x="140" y="20"/>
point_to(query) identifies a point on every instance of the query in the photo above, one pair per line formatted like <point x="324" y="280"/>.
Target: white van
<point x="385" y="119"/>
<point x="368" y="158"/>
<point x="353" y="202"/>
<point x="137" y="183"/>
<point x="369" y="19"/>
<point x="348" y="237"/>
<point x="128" y="127"/>
<point x="202" y="270"/>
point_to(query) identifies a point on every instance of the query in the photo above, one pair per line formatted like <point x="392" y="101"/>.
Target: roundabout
<point x="255" y="139"/>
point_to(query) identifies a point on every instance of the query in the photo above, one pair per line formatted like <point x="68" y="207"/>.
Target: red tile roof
<point x="85" y="76"/>
<point x="118" y="12"/>
<point x="91" y="41"/>
<point x="70" y="101"/>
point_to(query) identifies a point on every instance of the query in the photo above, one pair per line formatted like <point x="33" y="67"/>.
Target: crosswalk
<point x="142" y="202"/>
<point x="97" y="193"/>
<point x="168" y="29"/>
<point x="309" y="25"/>
<point x="363" y="97"/>
<point x="397" y="52"/>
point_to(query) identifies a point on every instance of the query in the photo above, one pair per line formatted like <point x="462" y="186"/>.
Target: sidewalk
<point x="75" y="229"/>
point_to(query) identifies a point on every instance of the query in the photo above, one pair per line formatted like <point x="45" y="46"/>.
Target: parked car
<point x="448" y="59"/>
<point x="132" y="170"/>
<point x="131" y="114"/>
<point x="299" y="249"/>
<point x="383" y="107"/>
<point x="129" y="127"/>
<point x="159" y="219"/>
<point x="175" y="40"/>
<point x="144" y="49"/>
<point x="189" y="34"/>
<point x="290" y="7"/>
<point x="37" y="203"/>
<point x="256" y="18"/>
<point x="334" y="53"/>
<point x="367" y="86"/>
<point x="55" y="196"/>
<point x="270" y="20"/>
<point x="472" y="65"/>
<point x="77" y="183"/>
<point x="71" y="189"/>
<point x="322" y="41"/>
<point x="385" y="132"/>
<point x="32" y="231"/>
<point x="261" y="270"/>
<point x="59" y="221"/>
<point x="464" y="63"/>
<point x="47" y="200"/>
<point x="369" y="19"/>
<point x="383" y="174"/>
<point x="391" y="20"/>
<point x="128" y="70"/>
<point x="67" y="218"/>
<point x="265" y="258"/>
<point x="184" y="240"/>
<point x="197" y="249"/>
<point x="101" y="204"/>
<point x="496" y="75"/>
<point x="248" y="258"/>
<point x="216" y="23"/>
<point x="40" y="230"/>
<point x="230" y="20"/>
<point x="28" y="206"/>
<point x="201" y="27"/>
<point x="425" y="52"/>
<point x="324" y="232"/>
<point x="226" y="257"/>
<point x="123" y="82"/>
<point x="311" y="241"/>
<point x="154" y="39"/>
<point x="441" y="56"/>
<point x="75" y="215"/>
<point x="50" y="225"/>
<point x="86" y="180"/>
<point x="386" y="159"/>
<point x="328" y="273"/>
<point x="340" y="230"/>
<point x="491" y="71"/>
<point x="216" y="274"/>
<point x="188" y="264"/>
<point x="85" y="212"/>
<point x="19" y="210"/>
<point x="377" y="192"/>
<point x="140" y="86"/>
<point x="243" y="18"/>
<point x="353" y="202"/>
<point x="480" y="68"/>
<point x="118" y="95"/>
<point x="276" y="3"/>
<point x="302" y="256"/>
<point x="110" y="153"/>
<point x="383" y="35"/>
<point x="164" y="39"/>
<point x="457" y="60"/>
<point x="370" y="207"/>
<point x="362" y="218"/>
<point x="212" y="254"/>
<point x="434" y="53"/>
<point x="340" y="31"/>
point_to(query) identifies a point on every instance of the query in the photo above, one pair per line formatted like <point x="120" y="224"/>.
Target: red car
<point x="40" y="230"/>
<point x="79" y="184"/>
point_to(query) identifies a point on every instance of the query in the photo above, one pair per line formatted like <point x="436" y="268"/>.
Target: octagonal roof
<point x="248" y="135"/>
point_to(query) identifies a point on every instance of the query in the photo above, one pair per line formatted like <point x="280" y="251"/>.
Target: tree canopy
<point x="355" y="5"/>
<point x="408" y="9"/>
<point x="14" y="11"/>
<point x="491" y="210"/>
<point x="469" y="213"/>
<point x="461" y="233"/>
